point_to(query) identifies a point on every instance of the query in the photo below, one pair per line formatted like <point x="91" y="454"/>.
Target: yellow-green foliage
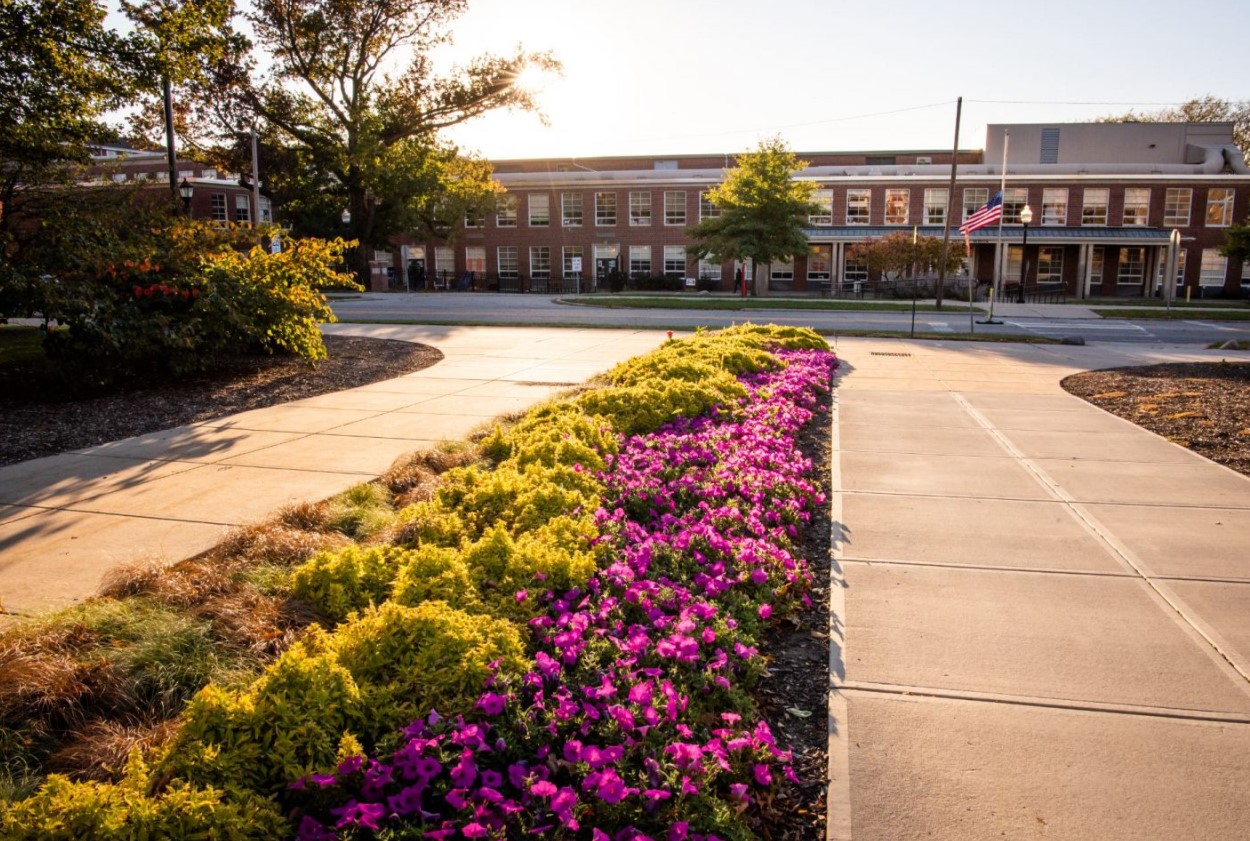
<point x="430" y="523"/>
<point x="775" y="335"/>
<point x="557" y="433"/>
<point x="361" y="510"/>
<point x="518" y="499"/>
<point x="126" y="812"/>
<point x="639" y="409"/>
<point x="555" y="556"/>
<point x="435" y="573"/>
<point x="377" y="672"/>
<point x="336" y="583"/>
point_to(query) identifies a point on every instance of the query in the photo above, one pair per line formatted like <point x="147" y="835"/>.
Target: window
<point x="707" y="210"/>
<point x="824" y="198"/>
<point x="509" y="262"/>
<point x="475" y="259"/>
<point x="1132" y="268"/>
<point x="858" y="205"/>
<point x="540" y="262"/>
<point x="674" y="207"/>
<point x="781" y="275"/>
<point x="896" y="202"/>
<point x="1097" y="259"/>
<point x="1049" y="264"/>
<point x="1219" y="207"/>
<point x="674" y="261"/>
<point x="219" y="207"/>
<point x="854" y="271"/>
<point x="571" y="209"/>
<point x="820" y="263"/>
<point x="1214" y="268"/>
<point x="209" y="173"/>
<point x="1094" y="209"/>
<point x="935" y="200"/>
<point x="444" y="260"/>
<point x="242" y="208"/>
<point x="1015" y="263"/>
<point x="1180" y="270"/>
<point x="474" y="218"/>
<point x="709" y="271"/>
<point x="1014" y="200"/>
<point x="119" y="177"/>
<point x="974" y="199"/>
<point x="505" y="211"/>
<point x="1176" y="206"/>
<point x="639" y="209"/>
<point x="640" y="261"/>
<point x="573" y="253"/>
<point x="1136" y="205"/>
<point x="605" y="209"/>
<point x="1055" y="206"/>
<point x="540" y="210"/>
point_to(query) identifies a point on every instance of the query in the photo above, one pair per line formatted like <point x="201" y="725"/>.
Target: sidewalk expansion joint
<point x="1047" y="703"/>
<point x="990" y="567"/>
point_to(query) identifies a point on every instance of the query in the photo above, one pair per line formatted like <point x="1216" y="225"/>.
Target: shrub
<point x="519" y="500"/>
<point x="644" y="408"/>
<point x="435" y="573"/>
<point x="337" y="583"/>
<point x="126" y="811"/>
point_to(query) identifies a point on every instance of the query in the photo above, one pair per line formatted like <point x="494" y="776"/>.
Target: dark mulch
<point x="1204" y="406"/>
<point x="795" y="698"/>
<point x="33" y="424"/>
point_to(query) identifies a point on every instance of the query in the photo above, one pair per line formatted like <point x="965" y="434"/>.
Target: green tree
<point x="763" y="209"/>
<point x="339" y="132"/>
<point x="1236" y="245"/>
<point x="1202" y="109"/>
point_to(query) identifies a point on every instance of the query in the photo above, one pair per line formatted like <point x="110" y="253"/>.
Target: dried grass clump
<point x="263" y="625"/>
<point x="99" y="750"/>
<point x="305" y="516"/>
<point x="274" y="542"/>
<point x="183" y="584"/>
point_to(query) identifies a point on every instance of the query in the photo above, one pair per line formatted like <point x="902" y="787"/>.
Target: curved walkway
<point x="66" y="520"/>
<point x="1044" y="610"/>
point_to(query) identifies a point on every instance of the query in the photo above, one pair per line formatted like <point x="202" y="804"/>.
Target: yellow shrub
<point x="336" y="583"/>
<point x="435" y="573"/>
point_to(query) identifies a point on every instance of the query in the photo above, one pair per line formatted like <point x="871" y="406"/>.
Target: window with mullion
<point x="605" y="209"/>
<point x="540" y="262"/>
<point x="974" y="199"/>
<point x="935" y="199"/>
<point x="505" y="211"/>
<point x="1136" y="205"/>
<point x="540" y="210"/>
<point x="1094" y="206"/>
<point x="1055" y="206"/>
<point x="640" y="209"/>
<point x="896" y="206"/>
<point x="674" y="207"/>
<point x="674" y="261"/>
<point x="858" y="206"/>
<point x="1176" y="206"/>
<point x="1219" y="207"/>
<point x="823" y="198"/>
<point x="707" y="210"/>
<point x="1014" y="200"/>
<point x="640" y="261"/>
<point x="571" y="209"/>
<point x="509" y="262"/>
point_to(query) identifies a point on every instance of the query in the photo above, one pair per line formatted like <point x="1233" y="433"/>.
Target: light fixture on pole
<point x="346" y="216"/>
<point x="186" y="191"/>
<point x="1026" y="216"/>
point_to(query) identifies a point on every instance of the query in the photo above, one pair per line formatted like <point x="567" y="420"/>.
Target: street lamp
<point x="346" y="216"/>
<point x="186" y="190"/>
<point x="1026" y="216"/>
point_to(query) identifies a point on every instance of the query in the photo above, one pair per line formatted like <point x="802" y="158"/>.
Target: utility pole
<point x="950" y="197"/>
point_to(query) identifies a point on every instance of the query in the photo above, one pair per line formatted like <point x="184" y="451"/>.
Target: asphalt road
<point x="496" y="309"/>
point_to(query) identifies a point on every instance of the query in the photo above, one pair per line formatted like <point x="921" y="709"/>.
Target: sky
<point x="648" y="77"/>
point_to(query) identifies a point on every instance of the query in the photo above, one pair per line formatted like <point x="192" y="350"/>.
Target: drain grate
<point x="884" y="353"/>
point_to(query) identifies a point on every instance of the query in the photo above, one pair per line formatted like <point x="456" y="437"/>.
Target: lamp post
<point x="346" y="216"/>
<point x="1026" y="216"/>
<point x="186" y="191"/>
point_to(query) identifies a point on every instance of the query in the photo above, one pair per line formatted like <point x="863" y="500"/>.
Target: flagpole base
<point x="990" y="321"/>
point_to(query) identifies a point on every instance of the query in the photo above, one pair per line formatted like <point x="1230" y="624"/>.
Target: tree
<point x="763" y="209"/>
<point x="903" y="254"/>
<point x="341" y="133"/>
<point x="1236" y="245"/>
<point x="1204" y="109"/>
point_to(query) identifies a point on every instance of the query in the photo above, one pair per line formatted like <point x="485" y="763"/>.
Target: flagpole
<point x="1000" y="255"/>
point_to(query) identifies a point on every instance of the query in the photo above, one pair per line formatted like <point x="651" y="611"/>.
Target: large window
<point x="640" y="209"/>
<point x="1180" y="270"/>
<point x="1132" y="268"/>
<point x="674" y="261"/>
<point x="1014" y="200"/>
<point x="1097" y="263"/>
<point x="707" y="210"/>
<point x="854" y="271"/>
<point x="444" y="260"/>
<point x="540" y="210"/>
<point x="935" y="200"/>
<point x="1214" y="268"/>
<point x="1219" y="207"/>
<point x="474" y="217"/>
<point x="573" y="253"/>
<point x="674" y="207"/>
<point x="1050" y="264"/>
<point x="571" y="209"/>
<point x="858" y="206"/>
<point x="475" y="260"/>
<point x="974" y="199"/>
<point x="820" y="263"/>
<point x="896" y="202"/>
<point x="242" y="208"/>
<point x="505" y="211"/>
<point x="1015" y="263"/>
<point x="540" y="262"/>
<point x="781" y="275"/>
<point x="640" y="261"/>
<point x="1176" y="206"/>
<point x="605" y="209"/>
<point x="1094" y="208"/>
<point x="1136" y="206"/>
<point x="709" y="270"/>
<point x="823" y="198"/>
<point x="509" y="262"/>
<point x="1055" y="206"/>
<point x="219" y="207"/>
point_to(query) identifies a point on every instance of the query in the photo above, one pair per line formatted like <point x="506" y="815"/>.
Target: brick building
<point x="1105" y="198"/>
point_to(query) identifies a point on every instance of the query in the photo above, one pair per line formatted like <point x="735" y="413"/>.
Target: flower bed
<point x="583" y="610"/>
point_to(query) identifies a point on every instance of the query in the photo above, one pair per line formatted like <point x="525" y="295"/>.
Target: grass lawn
<point x="707" y="302"/>
<point x="1151" y="303"/>
<point x="1176" y="313"/>
<point x="20" y="345"/>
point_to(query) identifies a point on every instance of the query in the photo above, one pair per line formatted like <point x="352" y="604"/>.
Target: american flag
<point x="985" y="216"/>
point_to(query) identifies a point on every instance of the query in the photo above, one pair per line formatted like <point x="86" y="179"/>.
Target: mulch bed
<point x="1204" y="406"/>
<point x="32" y="424"/>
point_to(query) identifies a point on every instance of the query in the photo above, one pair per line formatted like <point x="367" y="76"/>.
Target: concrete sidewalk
<point x="1046" y="610"/>
<point x="65" y="520"/>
